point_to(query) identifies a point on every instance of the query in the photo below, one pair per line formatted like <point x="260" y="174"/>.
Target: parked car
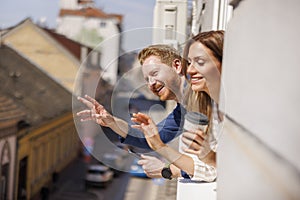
<point x="137" y="170"/>
<point x="98" y="175"/>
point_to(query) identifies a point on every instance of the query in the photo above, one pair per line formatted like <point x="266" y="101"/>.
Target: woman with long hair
<point x="202" y="66"/>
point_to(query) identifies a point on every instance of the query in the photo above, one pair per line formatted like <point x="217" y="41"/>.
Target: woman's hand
<point x="148" y="127"/>
<point x="197" y="143"/>
<point x="96" y="112"/>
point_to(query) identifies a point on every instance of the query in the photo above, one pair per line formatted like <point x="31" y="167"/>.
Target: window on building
<point x="22" y="184"/>
<point x="169" y="32"/>
<point x="200" y="29"/>
<point x="3" y="188"/>
<point x="170" y="21"/>
<point x="4" y="169"/>
<point x="102" y="24"/>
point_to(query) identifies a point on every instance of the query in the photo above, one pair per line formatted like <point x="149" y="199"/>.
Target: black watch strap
<point x="166" y="173"/>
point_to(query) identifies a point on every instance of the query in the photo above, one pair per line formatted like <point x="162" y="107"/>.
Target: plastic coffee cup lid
<point x="196" y="118"/>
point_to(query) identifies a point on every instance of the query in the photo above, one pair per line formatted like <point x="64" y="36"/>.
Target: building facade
<point x="71" y="66"/>
<point x="81" y="21"/>
<point x="210" y="15"/>
<point x="46" y="139"/>
<point x="257" y="152"/>
<point x="170" y="22"/>
<point x="46" y="52"/>
<point x="11" y="116"/>
<point x="259" y="146"/>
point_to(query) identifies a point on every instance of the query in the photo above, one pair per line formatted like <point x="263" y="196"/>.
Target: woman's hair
<point x="166" y="53"/>
<point x="213" y="40"/>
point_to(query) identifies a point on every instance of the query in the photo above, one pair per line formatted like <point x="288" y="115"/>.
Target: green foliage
<point x="89" y="37"/>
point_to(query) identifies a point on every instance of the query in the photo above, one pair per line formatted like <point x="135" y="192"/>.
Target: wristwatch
<point x="166" y="172"/>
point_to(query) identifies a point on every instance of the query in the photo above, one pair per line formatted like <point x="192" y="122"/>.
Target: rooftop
<point x="73" y="46"/>
<point x="10" y="113"/>
<point x="39" y="96"/>
<point x="90" y="12"/>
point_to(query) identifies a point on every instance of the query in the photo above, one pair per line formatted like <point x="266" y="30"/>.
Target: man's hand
<point x="148" y="127"/>
<point x="152" y="166"/>
<point x="96" y="112"/>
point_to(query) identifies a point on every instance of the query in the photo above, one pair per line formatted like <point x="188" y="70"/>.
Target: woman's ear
<point x="177" y="66"/>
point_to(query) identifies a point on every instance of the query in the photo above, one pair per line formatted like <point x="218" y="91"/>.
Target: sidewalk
<point x="168" y="190"/>
<point x="151" y="189"/>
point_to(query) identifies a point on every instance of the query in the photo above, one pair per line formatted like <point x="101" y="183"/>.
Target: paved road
<point x="71" y="185"/>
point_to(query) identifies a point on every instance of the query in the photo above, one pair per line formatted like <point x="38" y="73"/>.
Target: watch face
<point x="166" y="173"/>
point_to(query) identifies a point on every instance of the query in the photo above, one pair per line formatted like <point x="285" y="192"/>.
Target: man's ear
<point x="177" y="66"/>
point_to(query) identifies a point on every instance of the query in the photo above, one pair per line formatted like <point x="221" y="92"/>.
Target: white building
<point x="258" y="150"/>
<point x="170" y="22"/>
<point x="210" y="15"/>
<point x="81" y="21"/>
<point x="258" y="155"/>
<point x="259" y="146"/>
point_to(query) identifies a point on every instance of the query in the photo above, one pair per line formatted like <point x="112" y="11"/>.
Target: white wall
<point x="71" y="26"/>
<point x="262" y="92"/>
<point x="170" y="13"/>
<point x="68" y="4"/>
<point x="110" y="48"/>
<point x="210" y="15"/>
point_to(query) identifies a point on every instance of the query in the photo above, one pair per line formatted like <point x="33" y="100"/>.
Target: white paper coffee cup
<point x="195" y="121"/>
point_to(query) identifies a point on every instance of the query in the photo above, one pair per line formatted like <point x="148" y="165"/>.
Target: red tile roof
<point x="90" y="12"/>
<point x="73" y="46"/>
<point x="85" y="1"/>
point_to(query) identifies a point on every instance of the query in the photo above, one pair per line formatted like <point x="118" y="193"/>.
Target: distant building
<point x="81" y="21"/>
<point x="170" y="22"/>
<point x="45" y="51"/>
<point x="11" y="120"/>
<point x="126" y="62"/>
<point x="68" y="63"/>
<point x="46" y="138"/>
<point x="209" y="15"/>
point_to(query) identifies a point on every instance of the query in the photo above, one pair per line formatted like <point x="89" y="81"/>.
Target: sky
<point x="136" y="13"/>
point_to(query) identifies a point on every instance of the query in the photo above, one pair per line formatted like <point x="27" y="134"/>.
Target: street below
<point x="71" y="186"/>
